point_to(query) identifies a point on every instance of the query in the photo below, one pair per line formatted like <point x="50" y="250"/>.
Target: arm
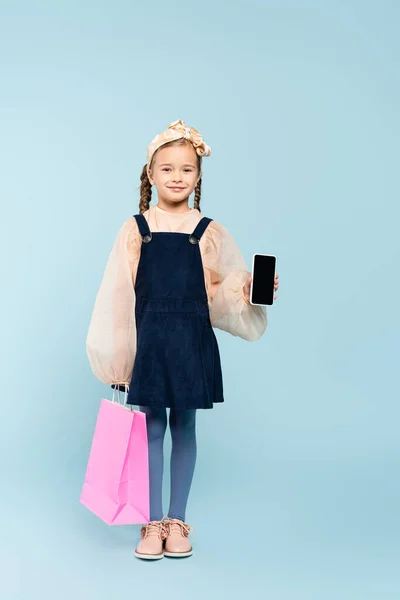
<point x="226" y="275"/>
<point x="111" y="339"/>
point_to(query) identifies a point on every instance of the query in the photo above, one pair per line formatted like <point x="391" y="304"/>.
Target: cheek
<point x="192" y="179"/>
<point x="161" y="179"/>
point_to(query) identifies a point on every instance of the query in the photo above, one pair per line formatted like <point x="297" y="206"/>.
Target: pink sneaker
<point x="176" y="540"/>
<point x="150" y="546"/>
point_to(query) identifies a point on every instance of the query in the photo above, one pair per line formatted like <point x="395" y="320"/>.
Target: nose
<point x="177" y="177"/>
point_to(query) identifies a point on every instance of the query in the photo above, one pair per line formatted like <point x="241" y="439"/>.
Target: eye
<point x="165" y="169"/>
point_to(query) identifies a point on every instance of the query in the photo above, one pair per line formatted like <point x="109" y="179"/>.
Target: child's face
<point x="175" y="166"/>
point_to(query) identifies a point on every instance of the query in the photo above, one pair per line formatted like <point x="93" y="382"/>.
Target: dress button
<point x="193" y="239"/>
<point x="147" y="238"/>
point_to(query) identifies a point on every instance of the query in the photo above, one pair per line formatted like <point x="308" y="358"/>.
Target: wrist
<point x="120" y="385"/>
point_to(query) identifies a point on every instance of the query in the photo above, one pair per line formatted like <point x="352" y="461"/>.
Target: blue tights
<point x="183" y="458"/>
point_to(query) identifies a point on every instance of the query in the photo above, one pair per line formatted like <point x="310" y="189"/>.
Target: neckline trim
<point x="188" y="212"/>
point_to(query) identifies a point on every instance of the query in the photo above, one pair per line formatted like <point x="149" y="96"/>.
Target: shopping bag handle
<point x="119" y="395"/>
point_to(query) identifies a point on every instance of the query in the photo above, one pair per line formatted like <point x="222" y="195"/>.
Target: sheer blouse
<point x="111" y="339"/>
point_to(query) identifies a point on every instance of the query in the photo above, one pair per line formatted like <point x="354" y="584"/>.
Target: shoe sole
<point x="178" y="554"/>
<point x="149" y="556"/>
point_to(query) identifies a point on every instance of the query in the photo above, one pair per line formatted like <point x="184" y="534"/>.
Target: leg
<point x="183" y="459"/>
<point x="156" y="421"/>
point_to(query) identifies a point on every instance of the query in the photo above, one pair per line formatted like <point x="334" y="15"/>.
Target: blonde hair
<point x="145" y="186"/>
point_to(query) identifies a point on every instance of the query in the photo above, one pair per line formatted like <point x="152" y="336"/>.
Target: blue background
<point x="296" y="489"/>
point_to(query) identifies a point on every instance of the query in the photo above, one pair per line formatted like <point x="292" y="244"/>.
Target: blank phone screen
<point x="263" y="279"/>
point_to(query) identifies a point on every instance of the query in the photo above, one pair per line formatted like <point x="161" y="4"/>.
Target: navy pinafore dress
<point x="177" y="363"/>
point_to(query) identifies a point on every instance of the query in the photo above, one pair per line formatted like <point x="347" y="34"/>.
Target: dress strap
<point x="143" y="228"/>
<point x="202" y="225"/>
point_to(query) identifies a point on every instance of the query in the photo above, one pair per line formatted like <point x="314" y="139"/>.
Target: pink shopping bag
<point x="116" y="486"/>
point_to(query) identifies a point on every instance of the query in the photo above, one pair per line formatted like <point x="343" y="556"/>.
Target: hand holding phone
<point x="263" y="279"/>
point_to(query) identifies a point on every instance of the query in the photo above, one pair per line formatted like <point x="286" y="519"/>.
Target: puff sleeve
<point x="111" y="338"/>
<point x="225" y="274"/>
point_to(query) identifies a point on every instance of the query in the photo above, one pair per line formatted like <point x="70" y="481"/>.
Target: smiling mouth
<point x="174" y="187"/>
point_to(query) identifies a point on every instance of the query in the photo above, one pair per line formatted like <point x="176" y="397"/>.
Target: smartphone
<point x="263" y="279"/>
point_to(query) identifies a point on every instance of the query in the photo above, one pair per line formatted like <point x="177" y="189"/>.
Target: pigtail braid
<point x="197" y="195"/>
<point x="145" y="191"/>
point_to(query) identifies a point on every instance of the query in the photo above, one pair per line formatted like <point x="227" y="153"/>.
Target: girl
<point x="171" y="277"/>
